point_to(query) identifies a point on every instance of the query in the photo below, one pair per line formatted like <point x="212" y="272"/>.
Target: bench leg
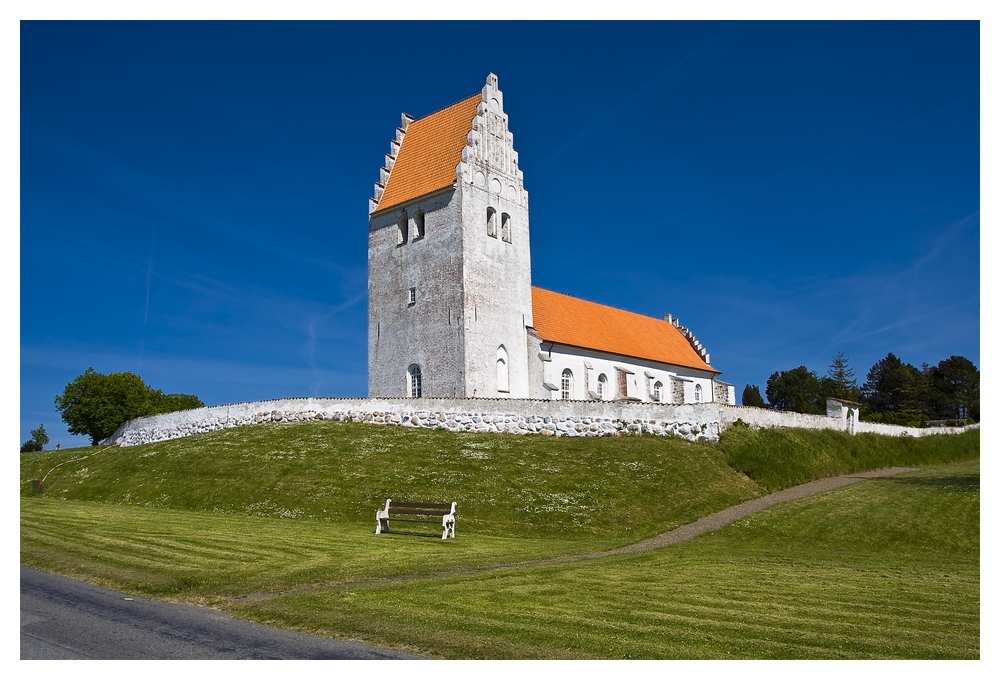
<point x="381" y="523"/>
<point x="449" y="525"/>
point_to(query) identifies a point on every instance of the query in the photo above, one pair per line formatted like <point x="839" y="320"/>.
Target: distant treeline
<point x="893" y="392"/>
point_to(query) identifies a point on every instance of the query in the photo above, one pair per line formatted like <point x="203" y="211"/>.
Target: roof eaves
<point x="706" y="367"/>
<point x="416" y="199"/>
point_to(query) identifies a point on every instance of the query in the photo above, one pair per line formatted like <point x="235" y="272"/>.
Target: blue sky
<point x="193" y="196"/>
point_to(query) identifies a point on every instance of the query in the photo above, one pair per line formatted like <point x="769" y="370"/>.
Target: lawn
<point x="885" y="569"/>
<point x="284" y="514"/>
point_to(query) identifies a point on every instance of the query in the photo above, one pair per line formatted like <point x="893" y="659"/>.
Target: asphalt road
<point x="66" y="619"/>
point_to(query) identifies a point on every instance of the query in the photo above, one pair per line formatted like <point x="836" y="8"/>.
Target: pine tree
<point x="751" y="397"/>
<point x="843" y="384"/>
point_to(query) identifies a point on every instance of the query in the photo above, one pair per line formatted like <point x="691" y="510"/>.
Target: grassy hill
<point x="285" y="512"/>
<point x="622" y="488"/>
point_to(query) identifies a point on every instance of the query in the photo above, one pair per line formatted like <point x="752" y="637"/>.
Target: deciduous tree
<point x="40" y="436"/>
<point x="96" y="405"/>
<point x="796" y="390"/>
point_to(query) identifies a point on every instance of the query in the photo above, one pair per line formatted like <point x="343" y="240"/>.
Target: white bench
<point x="427" y="513"/>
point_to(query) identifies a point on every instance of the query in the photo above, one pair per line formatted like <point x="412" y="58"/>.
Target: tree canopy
<point x="96" y="405"/>
<point x="751" y="397"/>
<point x="796" y="390"/>
<point x="893" y="392"/>
<point x="39" y="438"/>
<point x="840" y="380"/>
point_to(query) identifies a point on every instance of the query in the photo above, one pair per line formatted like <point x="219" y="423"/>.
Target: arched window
<point x="505" y="227"/>
<point x="602" y="387"/>
<point x="418" y="225"/>
<point x="567" y="384"/>
<point x="491" y="222"/>
<point x="697" y="394"/>
<point x="415" y="389"/>
<point x="658" y="391"/>
<point x="503" y="376"/>
<point x="402" y="234"/>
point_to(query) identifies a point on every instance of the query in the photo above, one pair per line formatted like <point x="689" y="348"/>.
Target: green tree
<point x="96" y="405"/>
<point x="751" y="397"/>
<point x="796" y="390"/>
<point x="40" y="436"/>
<point x="167" y="403"/>
<point x="840" y="382"/>
<point x="953" y="387"/>
<point x="30" y="445"/>
<point x="894" y="392"/>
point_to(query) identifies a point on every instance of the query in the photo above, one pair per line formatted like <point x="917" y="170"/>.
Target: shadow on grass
<point x="965" y="482"/>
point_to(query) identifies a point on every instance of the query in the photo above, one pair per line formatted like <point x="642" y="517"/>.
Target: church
<point x="451" y="308"/>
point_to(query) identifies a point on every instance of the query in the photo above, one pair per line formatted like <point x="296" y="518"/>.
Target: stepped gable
<point x="425" y="154"/>
<point x="568" y="320"/>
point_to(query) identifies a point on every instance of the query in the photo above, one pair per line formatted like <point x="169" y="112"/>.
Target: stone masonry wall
<point x="512" y="416"/>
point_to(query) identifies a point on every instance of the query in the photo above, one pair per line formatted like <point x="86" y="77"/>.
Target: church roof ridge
<point x="569" y="320"/>
<point x="425" y="155"/>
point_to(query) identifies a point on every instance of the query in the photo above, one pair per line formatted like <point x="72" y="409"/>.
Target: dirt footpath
<point x="731" y="514"/>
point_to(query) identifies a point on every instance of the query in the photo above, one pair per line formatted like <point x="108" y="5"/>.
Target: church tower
<point x="449" y="267"/>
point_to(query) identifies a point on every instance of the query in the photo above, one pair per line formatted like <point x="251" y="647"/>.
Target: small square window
<point x="411" y="298"/>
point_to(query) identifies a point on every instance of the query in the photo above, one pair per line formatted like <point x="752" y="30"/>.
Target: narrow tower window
<point x="414" y="381"/>
<point x="505" y="227"/>
<point x="411" y="296"/>
<point x="402" y="235"/>
<point x="503" y="376"/>
<point x="491" y="222"/>
<point x="602" y="387"/>
<point x="567" y="384"/>
<point x="418" y="225"/>
<point x="697" y="394"/>
<point x="658" y="391"/>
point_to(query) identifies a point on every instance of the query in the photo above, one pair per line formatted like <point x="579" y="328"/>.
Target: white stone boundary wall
<point x="762" y="417"/>
<point x="513" y="416"/>
<point x="904" y="431"/>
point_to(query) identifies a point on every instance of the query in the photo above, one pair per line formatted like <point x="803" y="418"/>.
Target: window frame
<point x="419" y="225"/>
<point x="402" y="229"/>
<point x="566" y="385"/>
<point x="491" y="222"/>
<point x="414" y="382"/>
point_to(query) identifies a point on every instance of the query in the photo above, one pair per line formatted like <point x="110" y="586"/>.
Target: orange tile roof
<point x="571" y="321"/>
<point x="431" y="149"/>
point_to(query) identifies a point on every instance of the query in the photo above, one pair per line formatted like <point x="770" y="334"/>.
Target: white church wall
<point x="588" y="365"/>
<point x="496" y="257"/>
<point x="428" y="331"/>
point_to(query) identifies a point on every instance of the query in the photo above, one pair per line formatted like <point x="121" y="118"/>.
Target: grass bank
<point x="621" y="488"/>
<point x="777" y="458"/>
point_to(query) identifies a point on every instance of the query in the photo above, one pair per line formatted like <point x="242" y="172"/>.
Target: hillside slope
<point x="616" y="487"/>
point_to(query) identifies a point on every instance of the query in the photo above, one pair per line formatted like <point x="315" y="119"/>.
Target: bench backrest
<point x="400" y="508"/>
